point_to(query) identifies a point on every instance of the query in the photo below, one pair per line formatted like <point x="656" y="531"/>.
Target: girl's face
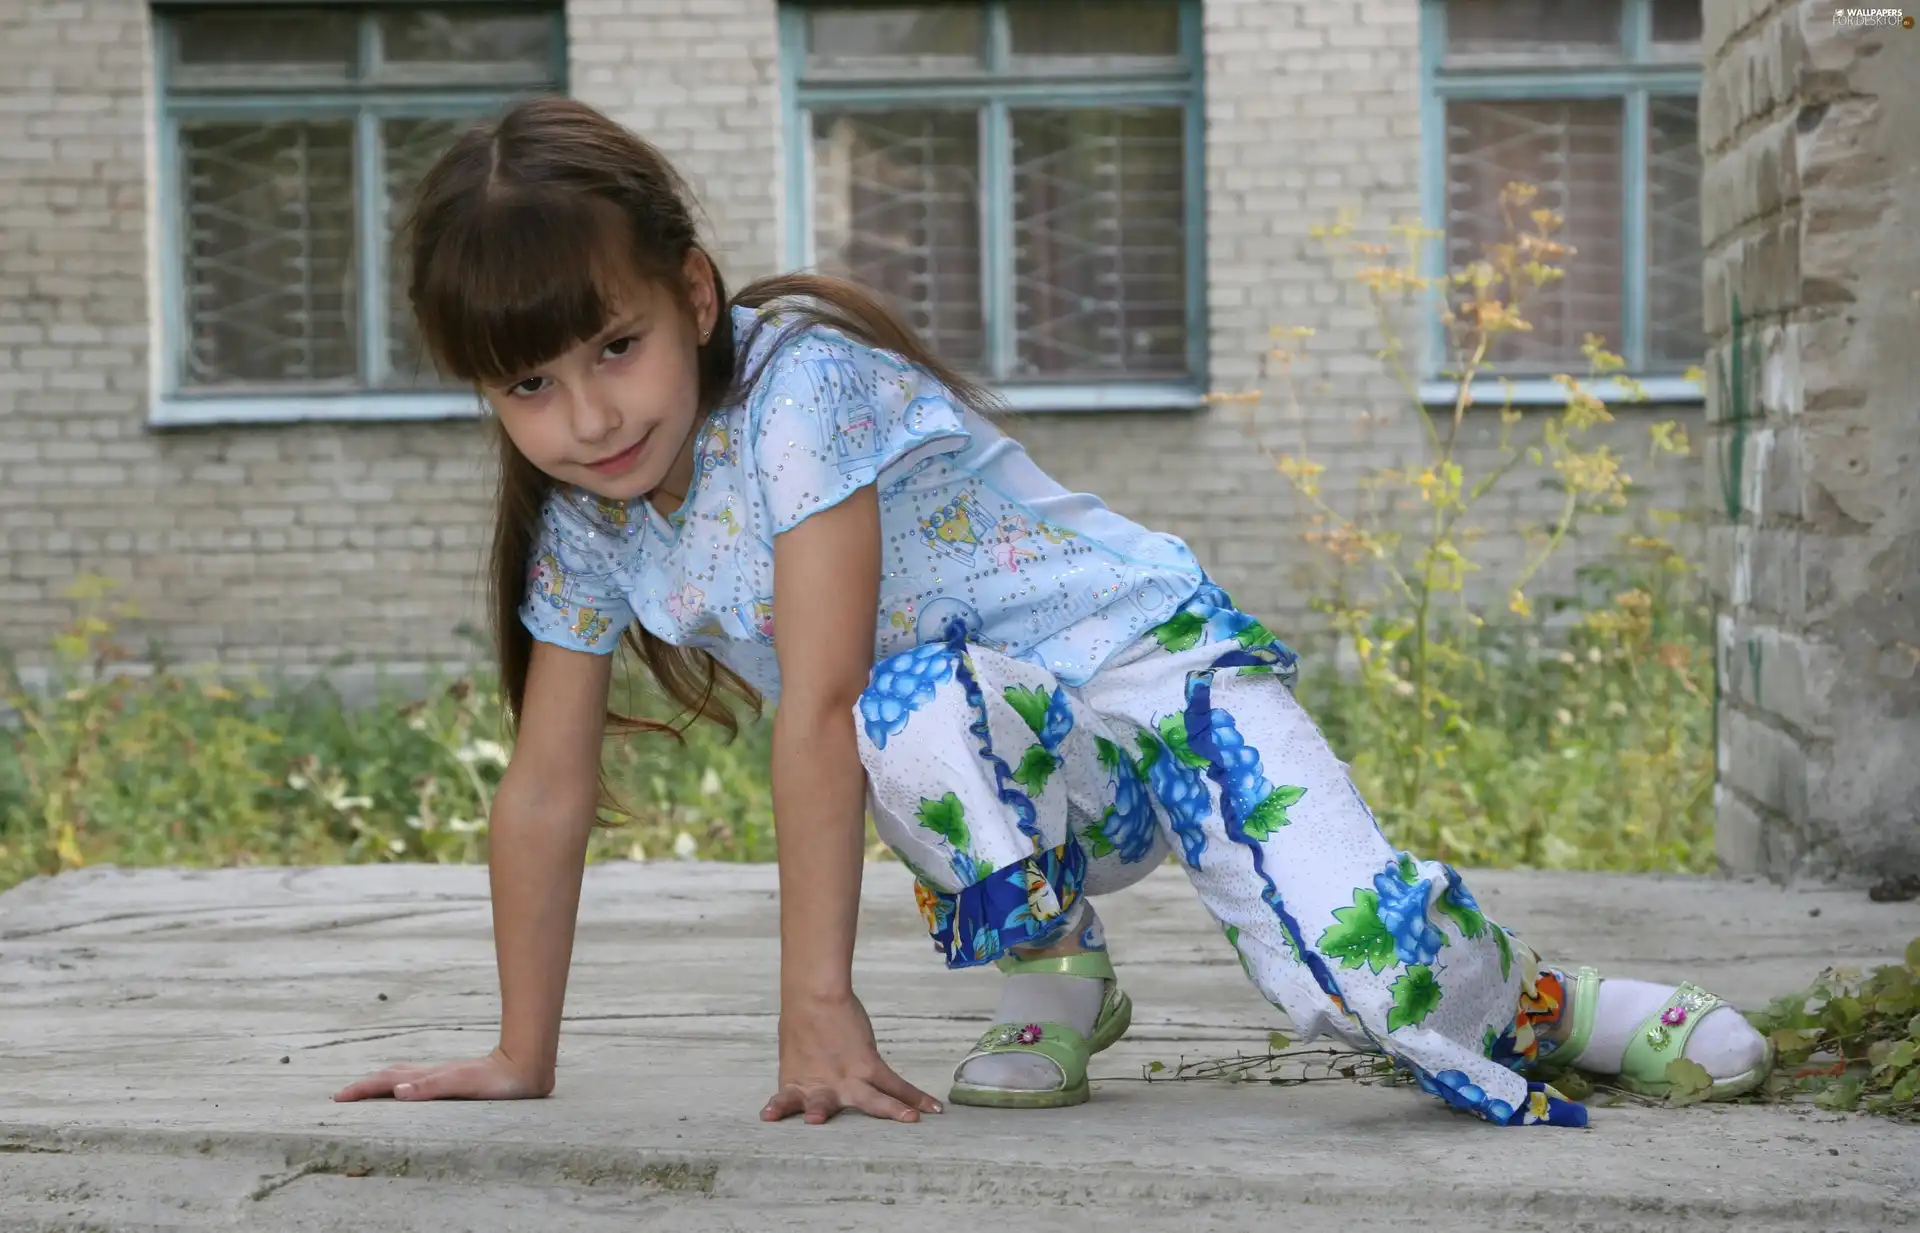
<point x="615" y="414"/>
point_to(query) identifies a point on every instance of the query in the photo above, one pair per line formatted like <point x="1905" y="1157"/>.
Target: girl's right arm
<point x="542" y="816"/>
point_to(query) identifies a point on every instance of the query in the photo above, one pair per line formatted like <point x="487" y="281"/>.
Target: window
<point x="1020" y="177"/>
<point x="291" y="139"/>
<point x="1595" y="102"/>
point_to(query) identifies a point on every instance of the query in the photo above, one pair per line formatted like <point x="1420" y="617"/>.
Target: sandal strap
<point x="1093" y="964"/>
<point x="1059" y="1043"/>
<point x="1586" y="997"/>
<point x="1663" y="1036"/>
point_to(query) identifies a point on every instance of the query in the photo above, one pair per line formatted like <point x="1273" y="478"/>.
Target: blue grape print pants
<point x="1010" y="795"/>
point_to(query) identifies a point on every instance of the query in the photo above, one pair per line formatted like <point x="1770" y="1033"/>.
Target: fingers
<point x="822" y="1103"/>
<point x="893" y="1085"/>
<point x="817" y="1104"/>
<point x="446" y="1083"/>
<point x="786" y="1102"/>
<point x="873" y="1102"/>
<point x="461" y="1080"/>
<point x="381" y="1084"/>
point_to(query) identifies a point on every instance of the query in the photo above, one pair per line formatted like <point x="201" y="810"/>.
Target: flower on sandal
<point x="1674" y="1016"/>
<point x="1693" y="997"/>
<point x="1028" y="1035"/>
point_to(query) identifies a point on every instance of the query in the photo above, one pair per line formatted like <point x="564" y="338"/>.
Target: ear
<point x="698" y="272"/>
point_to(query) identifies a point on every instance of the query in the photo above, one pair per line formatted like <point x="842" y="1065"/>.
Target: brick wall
<point x="273" y="545"/>
<point x="291" y="545"/>
<point x="73" y="337"/>
<point x="700" y="79"/>
<point x="1810" y="216"/>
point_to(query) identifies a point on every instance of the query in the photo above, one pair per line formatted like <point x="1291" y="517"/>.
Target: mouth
<point x="625" y="458"/>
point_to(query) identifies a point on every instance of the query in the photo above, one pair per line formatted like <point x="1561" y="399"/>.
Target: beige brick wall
<point x="700" y="79"/>
<point x="273" y="545"/>
<point x="291" y="545"/>
<point x="1810" y="219"/>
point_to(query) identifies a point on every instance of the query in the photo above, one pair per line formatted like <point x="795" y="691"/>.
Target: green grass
<point x="180" y="769"/>
<point x="1595" y="755"/>
<point x="1594" y="750"/>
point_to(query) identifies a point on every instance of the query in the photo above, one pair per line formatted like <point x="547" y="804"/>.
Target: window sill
<point x="234" y="409"/>
<point x="1489" y="391"/>
<point x="1045" y="399"/>
<point x="212" y="410"/>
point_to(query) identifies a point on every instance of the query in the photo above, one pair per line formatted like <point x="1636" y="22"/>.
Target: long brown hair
<point x="511" y="235"/>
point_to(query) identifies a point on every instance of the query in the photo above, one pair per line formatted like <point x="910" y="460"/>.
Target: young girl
<point x="784" y="493"/>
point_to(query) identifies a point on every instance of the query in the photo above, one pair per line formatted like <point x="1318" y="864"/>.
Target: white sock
<point x="1072" y="1000"/>
<point x="1724" y="1042"/>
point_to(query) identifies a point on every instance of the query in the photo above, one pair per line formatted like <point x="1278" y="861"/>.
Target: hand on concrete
<point x="829" y="1061"/>
<point x="493" y="1077"/>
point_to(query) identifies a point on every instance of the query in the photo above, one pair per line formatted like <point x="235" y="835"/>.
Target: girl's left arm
<point x="826" y="591"/>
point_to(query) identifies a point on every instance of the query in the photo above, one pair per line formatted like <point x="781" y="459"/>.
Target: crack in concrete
<point x="414" y="1030"/>
<point x="381" y="918"/>
<point x="464" y="902"/>
<point x="15" y="935"/>
<point x="283" y="1180"/>
<point x="1144" y="1032"/>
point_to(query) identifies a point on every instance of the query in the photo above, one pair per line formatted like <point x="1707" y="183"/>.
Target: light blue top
<point x="970" y="527"/>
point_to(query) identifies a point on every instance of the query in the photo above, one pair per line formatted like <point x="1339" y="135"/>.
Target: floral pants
<point x="1010" y="796"/>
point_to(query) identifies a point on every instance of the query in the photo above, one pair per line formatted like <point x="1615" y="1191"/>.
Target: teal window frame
<point x="174" y="407"/>
<point x="993" y="91"/>
<point x="1637" y="79"/>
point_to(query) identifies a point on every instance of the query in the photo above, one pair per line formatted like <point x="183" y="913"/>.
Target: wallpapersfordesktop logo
<point x="1864" y="19"/>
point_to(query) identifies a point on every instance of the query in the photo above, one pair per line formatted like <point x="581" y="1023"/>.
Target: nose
<point x="594" y="416"/>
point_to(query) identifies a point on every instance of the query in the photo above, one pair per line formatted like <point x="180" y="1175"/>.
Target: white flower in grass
<point x="482" y="751"/>
<point x="684" y="847"/>
<point x="710" y="782"/>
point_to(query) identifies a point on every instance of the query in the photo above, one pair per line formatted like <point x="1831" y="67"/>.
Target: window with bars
<point x="1596" y="103"/>
<point x="291" y="140"/>
<point x="1020" y="177"/>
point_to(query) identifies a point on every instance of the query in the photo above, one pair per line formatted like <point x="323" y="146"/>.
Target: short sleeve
<point x="831" y="416"/>
<point x="576" y="592"/>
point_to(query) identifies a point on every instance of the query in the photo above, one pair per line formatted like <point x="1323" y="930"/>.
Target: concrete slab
<point x="168" y="1041"/>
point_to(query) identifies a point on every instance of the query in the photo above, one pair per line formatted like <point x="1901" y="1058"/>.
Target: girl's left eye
<point x="619" y="347"/>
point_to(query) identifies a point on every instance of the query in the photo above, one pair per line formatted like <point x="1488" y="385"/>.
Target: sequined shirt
<point x="972" y="529"/>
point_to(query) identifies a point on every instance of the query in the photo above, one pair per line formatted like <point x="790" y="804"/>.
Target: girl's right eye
<point x="526" y="388"/>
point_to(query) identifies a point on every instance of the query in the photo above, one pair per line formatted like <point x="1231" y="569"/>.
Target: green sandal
<point x="1057" y="1042"/>
<point x="1658" y="1041"/>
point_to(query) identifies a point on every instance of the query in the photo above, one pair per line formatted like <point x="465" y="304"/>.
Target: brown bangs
<point x="518" y="279"/>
